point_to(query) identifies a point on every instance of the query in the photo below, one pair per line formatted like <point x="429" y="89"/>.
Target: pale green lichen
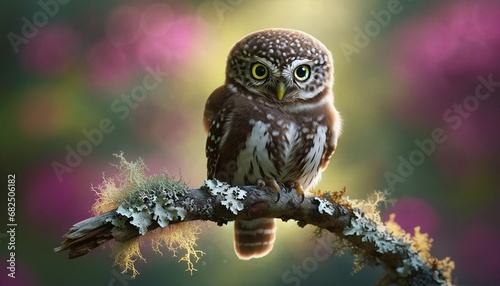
<point x="325" y="206"/>
<point x="329" y="201"/>
<point x="231" y="196"/>
<point x="421" y="245"/>
<point x="154" y="203"/>
<point x="376" y="233"/>
<point x="131" y="185"/>
<point x="390" y="238"/>
<point x="372" y="230"/>
<point x="142" y="201"/>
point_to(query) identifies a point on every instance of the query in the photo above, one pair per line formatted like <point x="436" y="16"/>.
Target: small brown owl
<point x="272" y="122"/>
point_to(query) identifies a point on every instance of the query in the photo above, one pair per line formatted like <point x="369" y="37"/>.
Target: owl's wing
<point x="333" y="134"/>
<point x="214" y="121"/>
<point x="213" y="105"/>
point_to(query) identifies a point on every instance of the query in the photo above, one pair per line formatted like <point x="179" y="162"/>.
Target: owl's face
<point x="281" y="66"/>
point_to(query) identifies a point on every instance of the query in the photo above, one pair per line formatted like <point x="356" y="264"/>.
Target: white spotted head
<point x="281" y="66"/>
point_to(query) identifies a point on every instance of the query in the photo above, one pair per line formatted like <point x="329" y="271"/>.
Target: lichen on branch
<point x="142" y="202"/>
<point x="133" y="207"/>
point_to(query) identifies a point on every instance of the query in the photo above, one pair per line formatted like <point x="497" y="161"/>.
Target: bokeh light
<point x="52" y="50"/>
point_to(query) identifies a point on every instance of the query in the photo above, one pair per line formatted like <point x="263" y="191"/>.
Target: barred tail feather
<point x="254" y="238"/>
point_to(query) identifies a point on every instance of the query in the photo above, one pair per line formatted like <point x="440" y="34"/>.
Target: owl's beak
<point x="280" y="90"/>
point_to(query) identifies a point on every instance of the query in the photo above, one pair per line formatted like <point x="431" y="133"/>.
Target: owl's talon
<point x="299" y="189"/>
<point x="273" y="184"/>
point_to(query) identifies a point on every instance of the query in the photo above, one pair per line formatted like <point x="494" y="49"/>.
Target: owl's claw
<point x="278" y="186"/>
<point x="299" y="189"/>
<point x="273" y="184"/>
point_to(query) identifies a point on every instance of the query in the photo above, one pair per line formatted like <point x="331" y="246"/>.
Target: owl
<point x="272" y="123"/>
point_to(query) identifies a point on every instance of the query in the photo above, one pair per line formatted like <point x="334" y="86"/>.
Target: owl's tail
<point x="254" y="238"/>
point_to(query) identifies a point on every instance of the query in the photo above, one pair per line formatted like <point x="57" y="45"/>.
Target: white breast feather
<point x="292" y="138"/>
<point x="313" y="157"/>
<point x="257" y="141"/>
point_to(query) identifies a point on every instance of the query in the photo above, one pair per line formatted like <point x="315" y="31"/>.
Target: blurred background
<point x="84" y="80"/>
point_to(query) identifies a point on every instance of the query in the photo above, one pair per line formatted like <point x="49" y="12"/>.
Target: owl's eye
<point x="259" y="71"/>
<point x="302" y="72"/>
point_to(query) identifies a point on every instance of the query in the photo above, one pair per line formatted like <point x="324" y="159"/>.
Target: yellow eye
<point x="302" y="72"/>
<point x="259" y="71"/>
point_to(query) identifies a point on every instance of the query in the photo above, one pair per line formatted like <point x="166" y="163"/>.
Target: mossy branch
<point x="140" y="206"/>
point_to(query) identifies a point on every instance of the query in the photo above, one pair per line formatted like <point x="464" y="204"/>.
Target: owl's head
<point x="281" y="65"/>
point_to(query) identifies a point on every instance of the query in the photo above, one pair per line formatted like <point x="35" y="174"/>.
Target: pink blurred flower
<point x="412" y="212"/>
<point x="182" y="35"/>
<point x="141" y="35"/>
<point x="52" y="50"/>
<point x="479" y="253"/>
<point x="441" y="55"/>
<point x="171" y="47"/>
<point x="152" y="52"/>
<point x="109" y="66"/>
<point x="123" y="25"/>
<point x="54" y="206"/>
<point x="475" y="139"/>
<point x="156" y="19"/>
<point x="439" y="58"/>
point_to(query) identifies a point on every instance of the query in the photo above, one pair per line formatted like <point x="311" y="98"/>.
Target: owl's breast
<point x="278" y="146"/>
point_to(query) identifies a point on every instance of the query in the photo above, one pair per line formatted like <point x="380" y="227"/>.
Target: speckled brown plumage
<point x="272" y="121"/>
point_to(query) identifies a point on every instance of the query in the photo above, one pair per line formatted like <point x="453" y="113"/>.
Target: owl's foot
<point x="278" y="186"/>
<point x="298" y="188"/>
<point x="273" y="184"/>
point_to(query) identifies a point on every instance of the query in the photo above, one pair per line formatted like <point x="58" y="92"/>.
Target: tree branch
<point x="202" y="205"/>
<point x="157" y="202"/>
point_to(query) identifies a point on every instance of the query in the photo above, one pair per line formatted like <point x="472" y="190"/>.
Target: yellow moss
<point x="422" y="243"/>
<point x="109" y="197"/>
<point x="113" y="191"/>
<point x="394" y="228"/>
<point x="369" y="206"/>
<point x="179" y="237"/>
<point x="130" y="186"/>
<point x="446" y="266"/>
<point x="126" y="253"/>
<point x="359" y="263"/>
<point x="335" y="197"/>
